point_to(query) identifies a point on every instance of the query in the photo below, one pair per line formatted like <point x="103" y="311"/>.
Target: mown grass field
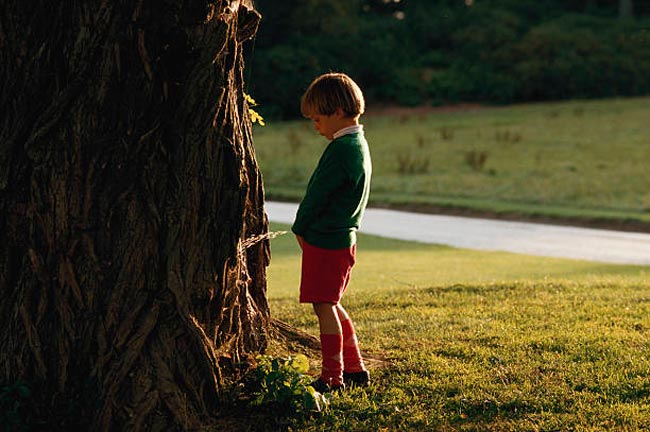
<point x="578" y="159"/>
<point x="480" y="341"/>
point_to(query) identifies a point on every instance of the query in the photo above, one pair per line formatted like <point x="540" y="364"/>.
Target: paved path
<point x="487" y="234"/>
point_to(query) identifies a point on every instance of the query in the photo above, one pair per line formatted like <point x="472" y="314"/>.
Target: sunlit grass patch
<point x="485" y="341"/>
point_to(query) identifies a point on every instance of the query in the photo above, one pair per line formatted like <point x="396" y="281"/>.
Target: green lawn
<point x="583" y="159"/>
<point x="483" y="341"/>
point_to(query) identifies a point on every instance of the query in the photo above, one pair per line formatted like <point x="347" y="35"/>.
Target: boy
<point x="327" y="221"/>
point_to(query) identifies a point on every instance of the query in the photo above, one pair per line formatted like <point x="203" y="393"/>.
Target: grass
<point x="579" y="159"/>
<point x="483" y="341"/>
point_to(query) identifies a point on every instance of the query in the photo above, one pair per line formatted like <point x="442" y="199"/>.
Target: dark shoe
<point x="361" y="379"/>
<point x="322" y="387"/>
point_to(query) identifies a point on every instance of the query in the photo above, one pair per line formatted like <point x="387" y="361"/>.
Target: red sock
<point x="332" y="348"/>
<point x="351" y="354"/>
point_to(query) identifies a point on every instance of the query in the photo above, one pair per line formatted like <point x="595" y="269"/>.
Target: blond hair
<point x="332" y="91"/>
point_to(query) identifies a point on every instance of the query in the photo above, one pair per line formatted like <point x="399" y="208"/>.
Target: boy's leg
<point x="354" y="369"/>
<point x="352" y="359"/>
<point x="331" y="343"/>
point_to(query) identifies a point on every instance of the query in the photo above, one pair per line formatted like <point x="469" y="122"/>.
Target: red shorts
<point x="325" y="273"/>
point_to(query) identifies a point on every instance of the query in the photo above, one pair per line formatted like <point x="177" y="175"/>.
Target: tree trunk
<point x="132" y="283"/>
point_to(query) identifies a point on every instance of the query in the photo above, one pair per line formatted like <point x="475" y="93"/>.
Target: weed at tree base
<point x="282" y="384"/>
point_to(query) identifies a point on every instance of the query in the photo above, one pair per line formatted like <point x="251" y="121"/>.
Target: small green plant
<point x="421" y="141"/>
<point x="412" y="163"/>
<point x="283" y="383"/>
<point x="507" y="136"/>
<point x="446" y="133"/>
<point x="476" y="159"/>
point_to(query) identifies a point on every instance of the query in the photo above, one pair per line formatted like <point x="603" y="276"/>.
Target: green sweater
<point x="337" y="194"/>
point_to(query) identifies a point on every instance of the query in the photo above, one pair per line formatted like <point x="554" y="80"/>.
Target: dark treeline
<point x="413" y="52"/>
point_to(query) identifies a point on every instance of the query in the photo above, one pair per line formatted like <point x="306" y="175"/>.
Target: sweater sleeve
<point x="327" y="179"/>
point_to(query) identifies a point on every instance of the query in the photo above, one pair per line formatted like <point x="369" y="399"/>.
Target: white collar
<point x="348" y="130"/>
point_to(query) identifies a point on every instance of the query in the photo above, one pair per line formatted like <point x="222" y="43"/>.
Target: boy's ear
<point x="339" y="113"/>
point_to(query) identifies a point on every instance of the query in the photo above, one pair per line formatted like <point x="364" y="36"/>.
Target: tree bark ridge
<point x="128" y="185"/>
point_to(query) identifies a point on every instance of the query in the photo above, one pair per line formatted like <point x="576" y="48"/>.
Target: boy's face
<point x="325" y="125"/>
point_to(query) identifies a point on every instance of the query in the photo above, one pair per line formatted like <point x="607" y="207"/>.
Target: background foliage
<point x="413" y="52"/>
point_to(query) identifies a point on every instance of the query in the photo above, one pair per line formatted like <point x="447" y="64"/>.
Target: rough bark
<point x="132" y="282"/>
